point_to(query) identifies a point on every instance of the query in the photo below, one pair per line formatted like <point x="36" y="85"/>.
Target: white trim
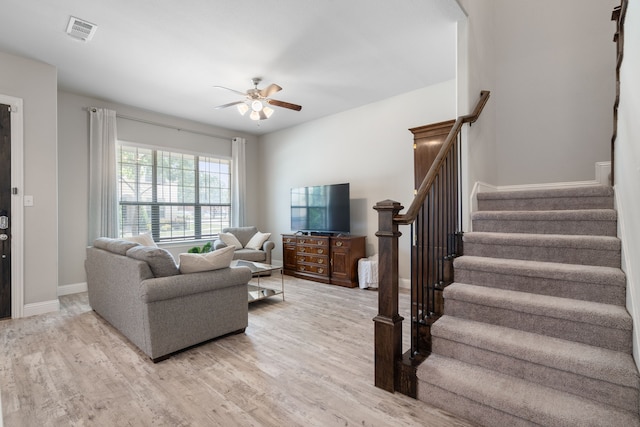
<point x="547" y="186"/>
<point x="627" y="266"/>
<point x="17" y="206"/>
<point x="41" y="308"/>
<point x="480" y="187"/>
<point x="602" y="169"/>
<point x="74" y="288"/>
<point x="404" y="283"/>
<point x="603" y="173"/>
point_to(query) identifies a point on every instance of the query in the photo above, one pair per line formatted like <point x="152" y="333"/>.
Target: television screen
<point x="321" y="208"/>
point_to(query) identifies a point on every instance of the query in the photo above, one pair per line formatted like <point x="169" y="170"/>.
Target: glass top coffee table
<point x="258" y="292"/>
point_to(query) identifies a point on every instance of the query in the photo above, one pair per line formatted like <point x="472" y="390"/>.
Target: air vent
<point x="80" y="29"/>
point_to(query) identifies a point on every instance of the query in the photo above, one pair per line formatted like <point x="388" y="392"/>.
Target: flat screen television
<point x="321" y="209"/>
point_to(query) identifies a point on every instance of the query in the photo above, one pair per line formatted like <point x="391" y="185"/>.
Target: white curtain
<point x="103" y="195"/>
<point x="238" y="186"/>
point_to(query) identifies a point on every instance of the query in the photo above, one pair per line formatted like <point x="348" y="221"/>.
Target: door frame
<point x="17" y="205"/>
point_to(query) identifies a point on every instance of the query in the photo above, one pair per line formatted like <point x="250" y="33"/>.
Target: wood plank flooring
<point x="304" y="361"/>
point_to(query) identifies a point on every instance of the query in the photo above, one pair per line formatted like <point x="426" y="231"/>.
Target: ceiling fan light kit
<point x="255" y="100"/>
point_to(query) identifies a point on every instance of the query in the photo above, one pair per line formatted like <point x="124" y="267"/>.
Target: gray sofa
<point x="244" y="234"/>
<point x="162" y="315"/>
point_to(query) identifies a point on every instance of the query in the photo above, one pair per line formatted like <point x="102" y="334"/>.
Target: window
<point x="175" y="196"/>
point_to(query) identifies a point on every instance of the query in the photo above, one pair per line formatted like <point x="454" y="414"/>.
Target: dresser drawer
<point x="313" y="241"/>
<point x="313" y="259"/>
<point x="314" y="269"/>
<point x="339" y="243"/>
<point x="312" y="250"/>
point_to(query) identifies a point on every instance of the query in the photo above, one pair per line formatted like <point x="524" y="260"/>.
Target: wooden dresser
<point x="326" y="259"/>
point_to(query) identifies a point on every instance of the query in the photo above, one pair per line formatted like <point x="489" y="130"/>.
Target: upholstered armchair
<point x="251" y="245"/>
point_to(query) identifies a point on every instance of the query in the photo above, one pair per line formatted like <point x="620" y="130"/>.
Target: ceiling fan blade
<point x="270" y="90"/>
<point x="231" y="90"/>
<point x="284" y="104"/>
<point x="231" y="104"/>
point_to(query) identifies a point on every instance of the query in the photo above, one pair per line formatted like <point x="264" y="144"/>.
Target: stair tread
<point x="549" y="215"/>
<point x="585" y="191"/>
<point x="590" y="361"/>
<point x="543" y="240"/>
<point x="610" y="276"/>
<point x="520" y="398"/>
<point x="606" y="315"/>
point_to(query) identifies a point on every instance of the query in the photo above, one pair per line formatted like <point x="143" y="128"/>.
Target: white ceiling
<point x="166" y="56"/>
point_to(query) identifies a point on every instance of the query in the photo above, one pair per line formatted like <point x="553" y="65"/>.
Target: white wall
<point x="627" y="166"/>
<point x="369" y="147"/>
<point x="556" y="83"/>
<point x="73" y="157"/>
<point x="36" y="83"/>
<point x="476" y="73"/>
<point x="550" y="66"/>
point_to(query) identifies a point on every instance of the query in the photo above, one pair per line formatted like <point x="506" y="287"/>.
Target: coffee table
<point x="258" y="292"/>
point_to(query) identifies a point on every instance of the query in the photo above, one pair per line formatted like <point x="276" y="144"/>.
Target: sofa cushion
<point x="230" y="240"/>
<point x="144" y="239"/>
<point x="257" y="241"/>
<point x="243" y="234"/>
<point x="117" y="246"/>
<point x="160" y="260"/>
<point x="215" y="260"/>
<point x="250" y="255"/>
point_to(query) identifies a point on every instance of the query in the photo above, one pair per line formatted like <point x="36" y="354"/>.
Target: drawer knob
<point x="320" y="251"/>
<point x="301" y="249"/>
<point x="338" y="243"/>
<point x="288" y="240"/>
<point x="302" y="268"/>
<point x="320" y="261"/>
<point x="321" y="270"/>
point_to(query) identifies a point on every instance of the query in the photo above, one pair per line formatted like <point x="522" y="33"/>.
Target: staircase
<point x="535" y="330"/>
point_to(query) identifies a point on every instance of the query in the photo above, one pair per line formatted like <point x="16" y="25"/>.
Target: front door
<point x="5" y="211"/>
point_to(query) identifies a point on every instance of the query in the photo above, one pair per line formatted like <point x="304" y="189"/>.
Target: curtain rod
<point x="149" y="122"/>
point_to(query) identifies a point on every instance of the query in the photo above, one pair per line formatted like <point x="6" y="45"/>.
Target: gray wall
<point x="550" y="67"/>
<point x="36" y="83"/>
<point x="369" y="147"/>
<point x="73" y="157"/>
<point x="627" y="167"/>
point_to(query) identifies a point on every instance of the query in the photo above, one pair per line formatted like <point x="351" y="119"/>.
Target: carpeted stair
<point x="535" y="330"/>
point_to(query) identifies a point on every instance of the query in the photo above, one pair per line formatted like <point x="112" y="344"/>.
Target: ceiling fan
<point x="254" y="100"/>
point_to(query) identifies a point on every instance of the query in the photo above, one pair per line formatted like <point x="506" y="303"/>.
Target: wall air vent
<point x="80" y="29"/>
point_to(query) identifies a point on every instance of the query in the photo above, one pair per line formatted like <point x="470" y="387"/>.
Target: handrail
<point x="411" y="214"/>
<point x="619" y="15"/>
<point x="393" y="372"/>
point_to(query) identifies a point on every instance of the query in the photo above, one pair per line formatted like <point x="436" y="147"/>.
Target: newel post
<point x="388" y="323"/>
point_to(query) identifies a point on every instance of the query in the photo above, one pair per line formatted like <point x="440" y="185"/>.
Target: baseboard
<point x="404" y="283"/>
<point x="40" y="308"/>
<point x="627" y="266"/>
<point x="74" y="288"/>
<point x="602" y="173"/>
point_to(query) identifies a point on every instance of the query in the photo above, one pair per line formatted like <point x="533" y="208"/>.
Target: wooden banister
<point x="619" y="15"/>
<point x="427" y="182"/>
<point x="389" y="372"/>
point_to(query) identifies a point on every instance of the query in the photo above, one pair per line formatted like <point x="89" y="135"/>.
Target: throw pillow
<point x="144" y="239"/>
<point x="160" y="260"/>
<point x="194" y="263"/>
<point x="117" y="246"/>
<point x="230" y="240"/>
<point x="257" y="241"/>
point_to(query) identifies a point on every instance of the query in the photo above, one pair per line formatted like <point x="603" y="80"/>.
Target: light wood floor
<point x="305" y="361"/>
